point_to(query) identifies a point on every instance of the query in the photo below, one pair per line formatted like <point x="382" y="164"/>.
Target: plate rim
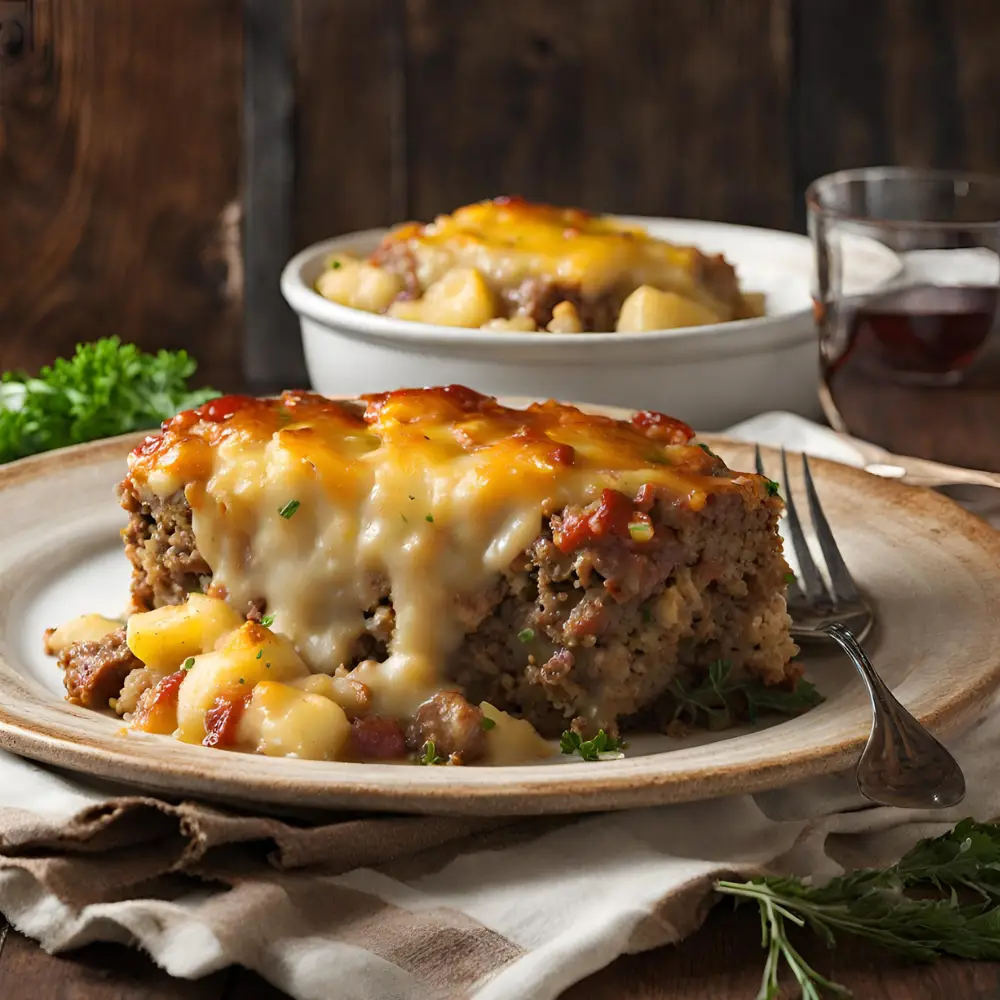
<point x="588" y="787"/>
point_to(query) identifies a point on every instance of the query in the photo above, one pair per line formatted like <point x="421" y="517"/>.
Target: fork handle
<point x="902" y="764"/>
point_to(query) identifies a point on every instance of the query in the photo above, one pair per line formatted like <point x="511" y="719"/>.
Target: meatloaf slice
<point x="583" y="627"/>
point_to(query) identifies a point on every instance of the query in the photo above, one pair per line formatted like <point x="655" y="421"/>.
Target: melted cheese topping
<point x="508" y="240"/>
<point x="319" y="507"/>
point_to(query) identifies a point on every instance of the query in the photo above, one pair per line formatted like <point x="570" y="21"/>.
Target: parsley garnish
<point x="942" y="898"/>
<point x="789" y="578"/>
<point x="429" y="517"/>
<point x="571" y="742"/>
<point x="772" y="487"/>
<point x="267" y="621"/>
<point x="260" y="653"/>
<point x="267" y="666"/>
<point x="708" y="451"/>
<point x="335" y="265"/>
<point x="289" y="509"/>
<point x="106" y="388"/>
<point x="526" y="634"/>
<point x="188" y="663"/>
<point x="242" y="681"/>
<point x="720" y="699"/>
<point x="430" y="755"/>
<point x="487" y="724"/>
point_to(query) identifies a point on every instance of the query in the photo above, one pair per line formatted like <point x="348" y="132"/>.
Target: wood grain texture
<point x="894" y="82"/>
<point x="350" y="150"/>
<point x="721" y="962"/>
<point x="273" y="357"/>
<point x="646" y="106"/>
<point x="118" y="182"/>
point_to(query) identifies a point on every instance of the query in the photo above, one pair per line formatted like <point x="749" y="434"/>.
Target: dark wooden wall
<point x="160" y="161"/>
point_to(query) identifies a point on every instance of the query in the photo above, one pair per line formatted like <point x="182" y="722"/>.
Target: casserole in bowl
<point x="716" y="373"/>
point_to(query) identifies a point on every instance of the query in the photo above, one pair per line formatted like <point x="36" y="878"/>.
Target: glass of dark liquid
<point x="907" y="301"/>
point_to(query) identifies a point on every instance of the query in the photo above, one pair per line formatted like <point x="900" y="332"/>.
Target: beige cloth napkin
<point x="366" y="907"/>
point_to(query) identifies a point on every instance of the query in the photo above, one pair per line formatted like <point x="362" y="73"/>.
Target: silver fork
<point x="902" y="764"/>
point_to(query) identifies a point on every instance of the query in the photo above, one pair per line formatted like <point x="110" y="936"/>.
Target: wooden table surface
<point x="721" y="962"/>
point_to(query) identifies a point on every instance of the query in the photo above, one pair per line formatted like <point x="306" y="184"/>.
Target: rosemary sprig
<point x="942" y="898"/>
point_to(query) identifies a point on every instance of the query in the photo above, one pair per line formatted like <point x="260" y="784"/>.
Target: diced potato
<point x="754" y="304"/>
<point x="249" y="655"/>
<point x="359" y="285"/>
<point x="283" y="721"/>
<point x="460" y="298"/>
<point x="510" y="740"/>
<point x="351" y="695"/>
<point x="516" y="324"/>
<point x="565" y="319"/>
<point x="86" y="628"/>
<point x="650" y="309"/>
<point x="163" y="639"/>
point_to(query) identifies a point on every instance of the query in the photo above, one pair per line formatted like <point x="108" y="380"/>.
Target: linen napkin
<point x="364" y="907"/>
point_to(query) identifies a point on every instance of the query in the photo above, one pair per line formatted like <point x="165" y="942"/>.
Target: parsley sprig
<point x="942" y="898"/>
<point x="571" y="742"/>
<point x="720" y="699"/>
<point x="430" y="755"/>
<point x="106" y="388"/>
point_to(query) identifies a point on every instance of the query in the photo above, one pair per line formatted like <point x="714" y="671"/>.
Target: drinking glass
<point x="906" y="299"/>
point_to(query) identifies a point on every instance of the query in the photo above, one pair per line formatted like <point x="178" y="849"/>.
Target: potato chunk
<point x="460" y="298"/>
<point x="86" y="628"/>
<point x="163" y="639"/>
<point x="510" y="740"/>
<point x="351" y="282"/>
<point x="351" y="695"/>
<point x="282" y="721"/>
<point x="249" y="655"/>
<point x="650" y="309"/>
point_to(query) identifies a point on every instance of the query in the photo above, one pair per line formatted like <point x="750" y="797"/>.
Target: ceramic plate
<point x="932" y="570"/>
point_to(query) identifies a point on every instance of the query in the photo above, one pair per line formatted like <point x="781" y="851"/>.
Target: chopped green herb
<point x="640" y="531"/>
<point x="429" y="517"/>
<point x="106" y="388"/>
<point x="789" y="578"/>
<point x="720" y="699"/>
<point x="571" y="742"/>
<point x="289" y="509"/>
<point x="772" y="488"/>
<point x="708" y="451"/>
<point x="647" y="613"/>
<point x="335" y="265"/>
<point x="526" y="634"/>
<point x="942" y="898"/>
<point x="260" y="653"/>
<point x="188" y="663"/>
<point x="267" y="621"/>
<point x="487" y="724"/>
<point x="242" y="681"/>
<point x="267" y="666"/>
<point x="430" y="755"/>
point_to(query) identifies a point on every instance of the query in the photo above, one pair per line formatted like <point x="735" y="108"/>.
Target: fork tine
<point x="809" y="576"/>
<point x="843" y="588"/>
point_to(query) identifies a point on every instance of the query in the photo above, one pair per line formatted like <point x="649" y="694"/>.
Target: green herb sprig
<point x="942" y="898"/>
<point x="106" y="388"/>
<point x="720" y="699"/>
<point x="571" y="742"/>
<point x="430" y="755"/>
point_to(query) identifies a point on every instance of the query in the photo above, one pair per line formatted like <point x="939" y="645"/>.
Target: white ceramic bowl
<point x="709" y="376"/>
